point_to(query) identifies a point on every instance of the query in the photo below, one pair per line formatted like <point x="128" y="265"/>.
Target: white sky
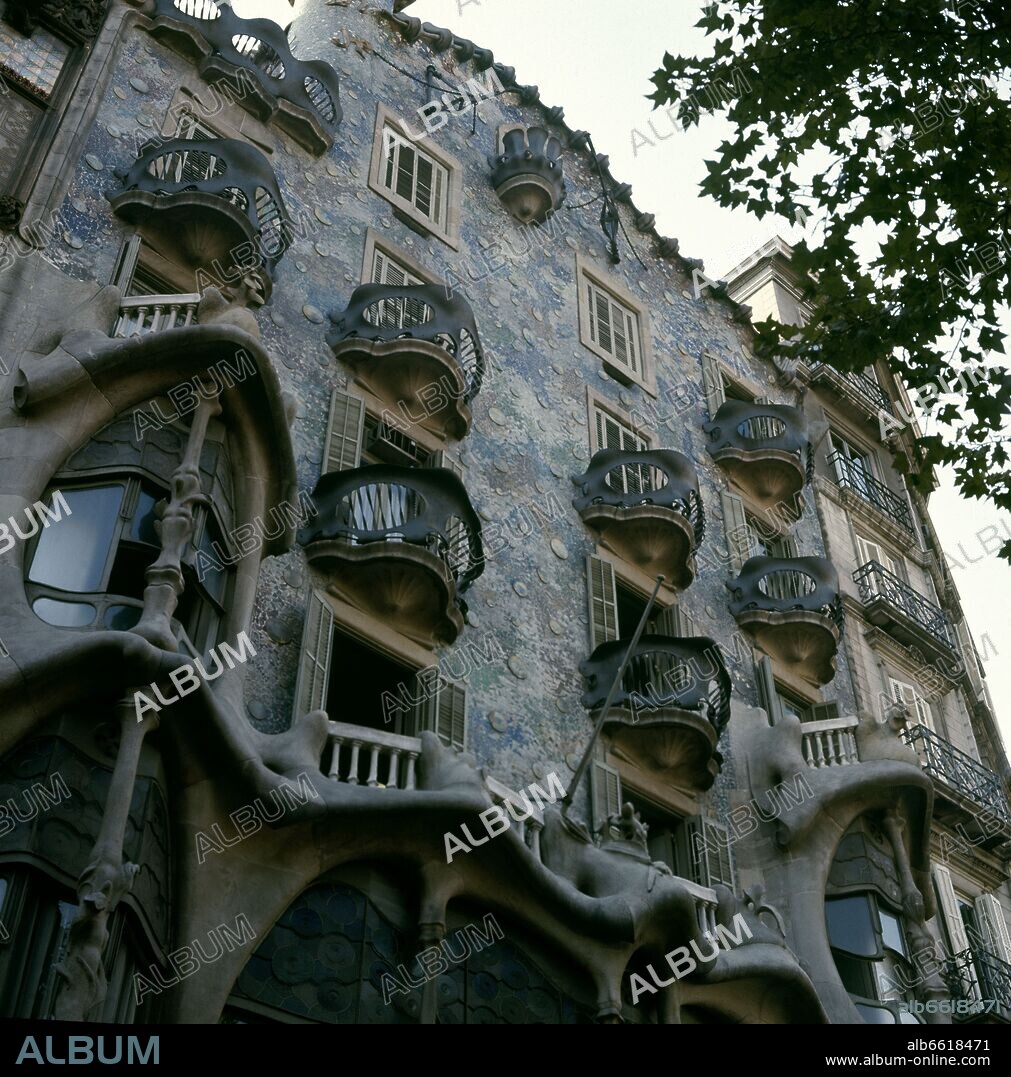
<point x="595" y="59"/>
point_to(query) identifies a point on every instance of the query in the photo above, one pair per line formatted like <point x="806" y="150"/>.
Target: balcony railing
<point x="167" y="176"/>
<point x="361" y="756"/>
<point x="385" y="313"/>
<point x="143" y="314"/>
<point x="977" y="977"/>
<point x="260" y="49"/>
<point x="658" y="477"/>
<point x="876" y="583"/>
<point x="864" y="384"/>
<point x="830" y="743"/>
<point x="851" y="475"/>
<point x="787" y="584"/>
<point x="960" y="772"/>
<point x="752" y="427"/>
<point x="424" y="507"/>
<point x="682" y="674"/>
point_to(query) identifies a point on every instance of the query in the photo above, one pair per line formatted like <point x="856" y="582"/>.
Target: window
<point x="918" y="706"/>
<point x="423" y="183"/>
<point x="88" y="568"/>
<point x="34" y="72"/>
<point x="666" y="836"/>
<point x="766" y="542"/>
<point x="396" y="313"/>
<point x="610" y="432"/>
<point x="869" y="550"/>
<point x="871" y="956"/>
<point x="614" y="325"/>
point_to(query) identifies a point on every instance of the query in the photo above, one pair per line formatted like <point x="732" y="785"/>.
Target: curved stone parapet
<point x="792" y="607"/>
<point x="300" y="96"/>
<point x="527" y="174"/>
<point x="417" y="348"/>
<point x="646" y="507"/>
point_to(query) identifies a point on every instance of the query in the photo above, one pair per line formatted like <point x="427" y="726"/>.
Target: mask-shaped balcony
<point x="646" y="508"/>
<point x="416" y="347"/>
<point x="301" y="96"/>
<point x="209" y="204"/>
<point x="670" y="709"/>
<point x="764" y="450"/>
<point x="400" y="543"/>
<point x="791" y="606"/>
<point x="527" y="174"/>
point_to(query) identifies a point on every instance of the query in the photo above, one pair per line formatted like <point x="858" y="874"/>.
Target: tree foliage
<point x="888" y="123"/>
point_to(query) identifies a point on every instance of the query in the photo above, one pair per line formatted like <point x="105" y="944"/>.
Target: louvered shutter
<point x="990" y="915"/>
<point x="958" y="940"/>
<point x="666" y="622"/>
<point x="712" y="385"/>
<point x="605" y="795"/>
<point x="314" y="659"/>
<point x="445" y="714"/>
<point x="738" y="534"/>
<point x="603" y="601"/>
<point x="767" y="694"/>
<point x="824" y="712"/>
<point x="601" y="332"/>
<point x="440" y="458"/>
<point x="345" y="427"/>
<point x="712" y="861"/>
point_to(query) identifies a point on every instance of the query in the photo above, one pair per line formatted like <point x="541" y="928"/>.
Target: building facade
<point x="422" y="605"/>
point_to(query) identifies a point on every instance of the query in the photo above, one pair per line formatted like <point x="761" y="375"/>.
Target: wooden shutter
<point x="345" y="427"/>
<point x="712" y="384"/>
<point x="603" y="601"/>
<point x="958" y="940"/>
<point x="738" y="534"/>
<point x="990" y="915"/>
<point x="314" y="660"/>
<point x="824" y="712"/>
<point x="711" y="859"/>
<point x="767" y="694"/>
<point x="445" y="715"/>
<point x="601" y="332"/>
<point x="674" y="621"/>
<point x="440" y="458"/>
<point x="605" y="795"/>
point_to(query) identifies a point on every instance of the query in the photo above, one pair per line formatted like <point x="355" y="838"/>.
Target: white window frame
<point x="591" y="282"/>
<point x="391" y="137"/>
<point x="872" y="550"/>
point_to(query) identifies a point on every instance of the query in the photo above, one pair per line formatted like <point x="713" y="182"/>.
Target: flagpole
<point x="584" y="762"/>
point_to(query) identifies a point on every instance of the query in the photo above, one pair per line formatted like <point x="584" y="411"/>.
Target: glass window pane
<point x="212" y="546"/>
<point x="851" y="926"/>
<point x="72" y="553"/>
<point x="891" y="932"/>
<point x="856" y="973"/>
<point x="35" y="62"/>
<point x="142" y="524"/>
<point x="122" y="618"/>
<point x="64" y="614"/>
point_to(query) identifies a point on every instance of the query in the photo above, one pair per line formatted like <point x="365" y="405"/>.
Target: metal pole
<point x="588" y="752"/>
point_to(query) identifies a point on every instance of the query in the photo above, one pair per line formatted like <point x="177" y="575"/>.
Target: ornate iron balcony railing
<point x="864" y="383"/>
<point x="426" y="312"/>
<point x="852" y="476"/>
<point x="426" y="507"/>
<point x="960" y="772"/>
<point x="877" y="583"/>
<point x="977" y="976"/>
<point x="753" y="428"/>
<point x="260" y="48"/>
<point x="660" y="477"/>
<point x="784" y="584"/>
<point x="226" y="168"/>
<point x="688" y="674"/>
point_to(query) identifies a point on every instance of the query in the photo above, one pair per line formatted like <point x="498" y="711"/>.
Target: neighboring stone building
<point x="360" y="409"/>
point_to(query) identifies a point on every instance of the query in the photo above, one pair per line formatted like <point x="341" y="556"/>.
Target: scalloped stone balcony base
<point x="420" y="381"/>
<point x="807" y="642"/>
<point x="771" y="478"/>
<point x="405" y="587"/>
<point x="528" y="198"/>
<point x="676" y="744"/>
<point x="200" y="229"/>
<point x="656" y="539"/>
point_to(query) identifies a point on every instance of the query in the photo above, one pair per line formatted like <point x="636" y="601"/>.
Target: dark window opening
<point x="666" y="837"/>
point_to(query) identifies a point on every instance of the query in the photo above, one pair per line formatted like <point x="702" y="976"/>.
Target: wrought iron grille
<point x="851" y="475"/>
<point x="876" y="582"/>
